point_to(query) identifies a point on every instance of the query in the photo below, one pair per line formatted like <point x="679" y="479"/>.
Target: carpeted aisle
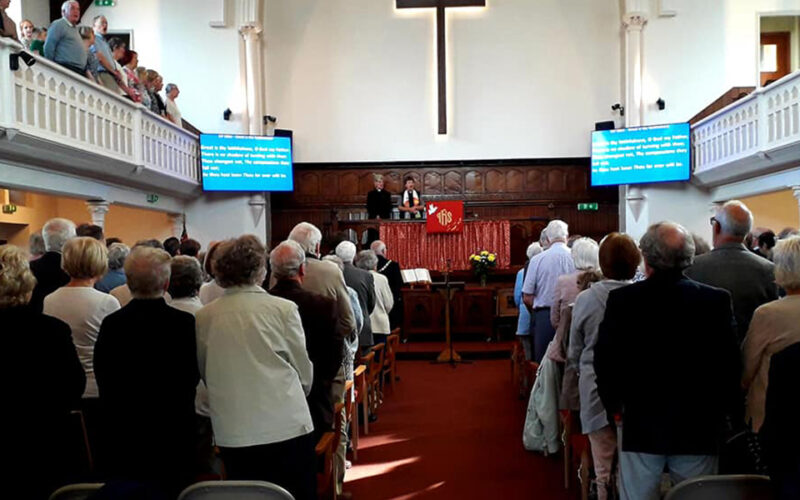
<point x="451" y="433"/>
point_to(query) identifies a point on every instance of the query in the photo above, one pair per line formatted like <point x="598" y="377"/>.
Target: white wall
<point x="174" y="38"/>
<point x="356" y="79"/>
<point x="38" y="11"/>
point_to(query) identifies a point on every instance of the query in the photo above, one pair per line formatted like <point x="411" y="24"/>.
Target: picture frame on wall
<point x="125" y="35"/>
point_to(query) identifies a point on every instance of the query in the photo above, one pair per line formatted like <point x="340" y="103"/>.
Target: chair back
<point x="78" y="491"/>
<point x="325" y="449"/>
<point x="360" y="378"/>
<point x="732" y="487"/>
<point x="235" y="490"/>
<point x="392" y="343"/>
<point x="375" y="367"/>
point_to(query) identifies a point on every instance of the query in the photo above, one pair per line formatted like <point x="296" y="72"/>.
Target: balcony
<point x="757" y="135"/>
<point x="52" y="119"/>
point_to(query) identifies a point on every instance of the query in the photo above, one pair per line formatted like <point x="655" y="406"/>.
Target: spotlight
<point x="269" y="119"/>
<point x="661" y="104"/>
<point x="226" y="115"/>
<point x="13" y="60"/>
<point x="619" y="107"/>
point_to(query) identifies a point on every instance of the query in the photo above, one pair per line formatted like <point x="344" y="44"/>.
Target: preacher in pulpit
<point x="410" y="201"/>
<point x="379" y="200"/>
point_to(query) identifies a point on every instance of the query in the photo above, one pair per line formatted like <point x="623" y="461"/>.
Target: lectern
<point x="448" y="288"/>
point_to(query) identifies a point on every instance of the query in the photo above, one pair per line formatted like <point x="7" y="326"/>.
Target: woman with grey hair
<point x="117" y="253"/>
<point x="36" y="245"/>
<point x="251" y="350"/>
<point x="48" y="381"/>
<point x="211" y="290"/>
<point x="775" y="326"/>
<point x="350" y="342"/>
<point x="584" y="255"/>
<point x="384" y="301"/>
<point x="524" y="317"/>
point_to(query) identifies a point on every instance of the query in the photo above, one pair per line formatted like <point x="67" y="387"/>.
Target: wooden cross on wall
<point x="441" y="59"/>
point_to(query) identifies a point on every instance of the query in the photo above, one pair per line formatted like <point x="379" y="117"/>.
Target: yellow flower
<point x="491" y="257"/>
<point x="484" y="253"/>
<point x="472" y="257"/>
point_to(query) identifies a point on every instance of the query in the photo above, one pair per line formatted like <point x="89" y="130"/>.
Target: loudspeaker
<point x="607" y="125"/>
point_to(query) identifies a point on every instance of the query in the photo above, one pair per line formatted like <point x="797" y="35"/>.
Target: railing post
<point x="7" y="107"/>
<point x="138" y="137"/>
<point x="762" y="126"/>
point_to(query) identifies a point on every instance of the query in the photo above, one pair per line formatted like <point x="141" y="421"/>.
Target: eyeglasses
<point x="713" y="220"/>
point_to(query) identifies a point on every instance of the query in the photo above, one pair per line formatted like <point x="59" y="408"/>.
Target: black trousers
<point x="291" y="464"/>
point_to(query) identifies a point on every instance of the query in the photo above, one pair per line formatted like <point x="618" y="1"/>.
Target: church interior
<point x="440" y="150"/>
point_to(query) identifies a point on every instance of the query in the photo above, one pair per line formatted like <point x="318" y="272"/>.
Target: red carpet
<point x="451" y="433"/>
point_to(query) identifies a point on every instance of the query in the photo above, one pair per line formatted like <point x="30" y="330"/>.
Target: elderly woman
<point x="117" y="253"/>
<point x="252" y="355"/>
<point x="210" y="291"/>
<point x="775" y="325"/>
<point x="78" y="304"/>
<point x="350" y="342"/>
<point x="584" y="255"/>
<point x="524" y="319"/>
<point x="618" y="258"/>
<point x="52" y="384"/>
<point x="384" y="300"/>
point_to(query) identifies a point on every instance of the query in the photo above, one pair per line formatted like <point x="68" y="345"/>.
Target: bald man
<point x="749" y="278"/>
<point x="667" y="360"/>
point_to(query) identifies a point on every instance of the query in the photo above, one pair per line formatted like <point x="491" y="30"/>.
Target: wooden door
<point x="774" y="56"/>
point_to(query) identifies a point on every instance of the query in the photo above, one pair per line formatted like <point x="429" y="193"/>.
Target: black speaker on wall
<point x="607" y="125"/>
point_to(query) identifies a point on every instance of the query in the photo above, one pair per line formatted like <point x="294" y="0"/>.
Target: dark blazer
<point x="45" y="382"/>
<point x="145" y="362"/>
<point x="379" y="204"/>
<point x="391" y="270"/>
<point x="749" y="278"/>
<point x="364" y="284"/>
<point x="667" y="359"/>
<point x="49" y="278"/>
<point x="325" y="349"/>
<point x="779" y="432"/>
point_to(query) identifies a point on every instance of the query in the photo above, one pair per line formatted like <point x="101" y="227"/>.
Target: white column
<point x="98" y="210"/>
<point x="250" y="28"/>
<point x="634" y="109"/>
<point x="796" y="193"/>
<point x="177" y="221"/>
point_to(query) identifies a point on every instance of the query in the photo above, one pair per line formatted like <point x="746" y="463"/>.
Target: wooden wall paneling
<point x="308" y="184"/>
<point x="515" y="181"/>
<point x="453" y="182"/>
<point x="473" y="182"/>
<point x="348" y="185"/>
<point x="432" y="183"/>
<point x="495" y="181"/>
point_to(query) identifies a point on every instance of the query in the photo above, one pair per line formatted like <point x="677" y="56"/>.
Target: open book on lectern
<point x="416" y="276"/>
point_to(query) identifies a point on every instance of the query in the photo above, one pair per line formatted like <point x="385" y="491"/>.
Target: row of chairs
<point x="363" y="394"/>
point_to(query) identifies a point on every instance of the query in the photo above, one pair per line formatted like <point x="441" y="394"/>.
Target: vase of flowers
<point x="481" y="263"/>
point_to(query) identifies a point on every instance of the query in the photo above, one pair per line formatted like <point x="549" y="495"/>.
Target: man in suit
<point x="379" y="200"/>
<point x="145" y="362"/>
<point x="779" y="432"/>
<point x="391" y="270"/>
<point x="749" y="278"/>
<point x="318" y="315"/>
<point x="47" y="268"/>
<point x="668" y="360"/>
<point x="363" y="283"/>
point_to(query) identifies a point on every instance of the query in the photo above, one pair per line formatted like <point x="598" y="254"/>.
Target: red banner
<point x="445" y="217"/>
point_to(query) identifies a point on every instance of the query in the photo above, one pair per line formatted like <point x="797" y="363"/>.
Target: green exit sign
<point x="152" y="198"/>
<point x="588" y="206"/>
<point x="104" y="3"/>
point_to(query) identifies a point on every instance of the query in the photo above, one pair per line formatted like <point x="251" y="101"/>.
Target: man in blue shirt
<point x="540" y="284"/>
<point x="63" y="44"/>
<point x="106" y="69"/>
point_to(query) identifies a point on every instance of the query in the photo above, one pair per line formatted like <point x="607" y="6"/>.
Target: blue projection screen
<point x="246" y="163"/>
<point x="658" y="153"/>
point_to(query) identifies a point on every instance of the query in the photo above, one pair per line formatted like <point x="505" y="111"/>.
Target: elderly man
<point x="252" y="356"/>
<point x="364" y="284"/>
<point x="123" y="293"/>
<point x="749" y="278"/>
<point x="47" y="268"/>
<point x="173" y="113"/>
<point x="117" y="253"/>
<point x="146" y="368"/>
<point x="667" y="359"/>
<point x="379" y="200"/>
<point x="318" y="314"/>
<point x="64" y="45"/>
<point x="538" y="289"/>
<point x="391" y="270"/>
<point x="106" y="70"/>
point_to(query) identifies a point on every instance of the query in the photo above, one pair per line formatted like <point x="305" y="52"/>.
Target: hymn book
<point x="416" y="276"/>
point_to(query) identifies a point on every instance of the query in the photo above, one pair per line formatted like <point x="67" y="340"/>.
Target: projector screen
<point x="246" y="163"/>
<point x="657" y="153"/>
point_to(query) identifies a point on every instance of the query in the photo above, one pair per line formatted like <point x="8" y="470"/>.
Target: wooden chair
<point x="390" y="359"/>
<point x="361" y="376"/>
<point x="81" y="420"/>
<point x="326" y="477"/>
<point x="235" y="490"/>
<point x="374" y="370"/>
<point x="349" y="405"/>
<point x="576" y="451"/>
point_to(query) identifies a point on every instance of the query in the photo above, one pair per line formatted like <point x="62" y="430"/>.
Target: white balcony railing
<point x="757" y="134"/>
<point x="61" y="114"/>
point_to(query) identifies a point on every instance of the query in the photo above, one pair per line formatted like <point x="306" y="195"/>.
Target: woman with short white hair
<point x="775" y="326"/>
<point x="78" y="304"/>
<point x="48" y="381"/>
<point x="384" y="301"/>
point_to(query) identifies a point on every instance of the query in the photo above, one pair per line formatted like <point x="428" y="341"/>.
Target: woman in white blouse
<point x="384" y="301"/>
<point x="78" y="303"/>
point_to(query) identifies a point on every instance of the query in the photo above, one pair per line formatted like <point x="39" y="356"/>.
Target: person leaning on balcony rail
<point x="87" y="36"/>
<point x="37" y="42"/>
<point x="26" y="32"/>
<point x="64" y="45"/>
<point x="141" y="85"/>
<point x="118" y="50"/>
<point x="173" y="113"/>
<point x="129" y="63"/>
<point x="8" y="28"/>
<point x="106" y="70"/>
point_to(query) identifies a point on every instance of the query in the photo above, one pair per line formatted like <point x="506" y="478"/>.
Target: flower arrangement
<point x="482" y="262"/>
